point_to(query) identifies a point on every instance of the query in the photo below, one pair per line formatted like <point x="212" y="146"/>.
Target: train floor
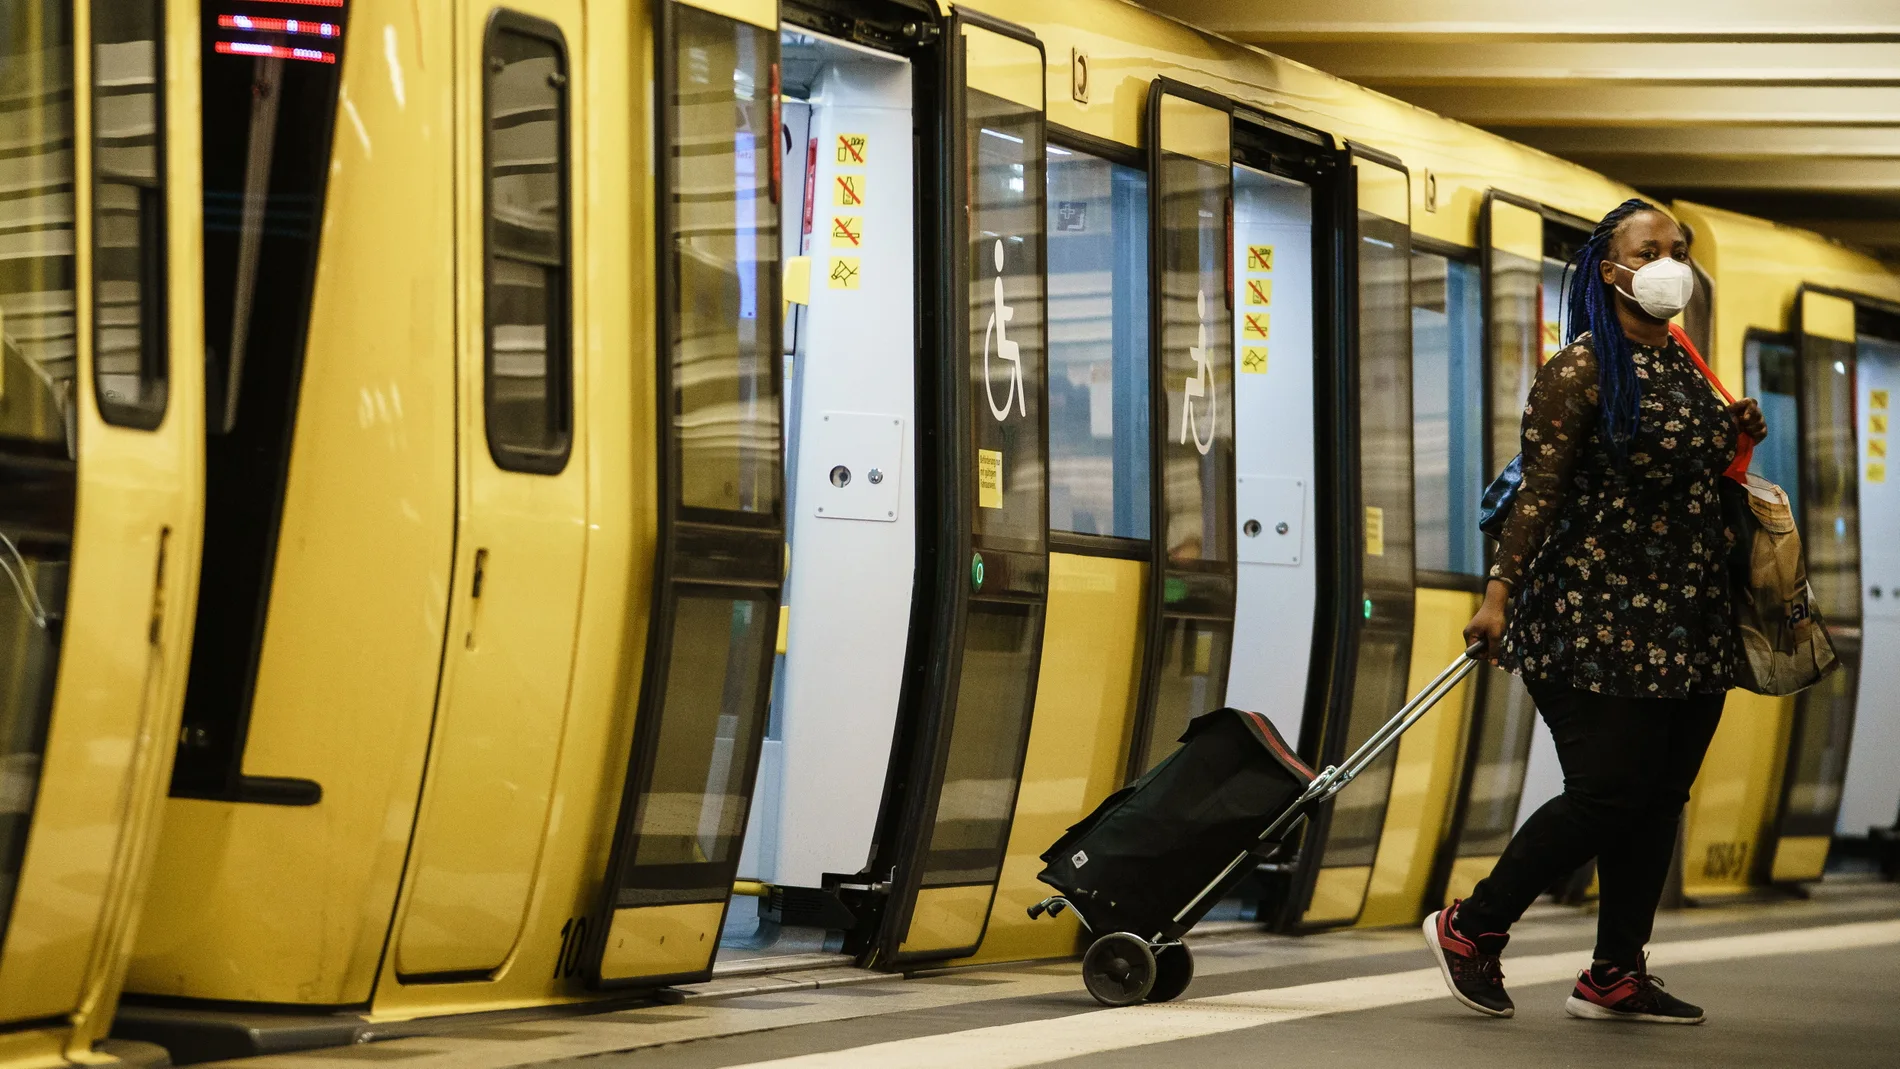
<point x="1784" y="982"/>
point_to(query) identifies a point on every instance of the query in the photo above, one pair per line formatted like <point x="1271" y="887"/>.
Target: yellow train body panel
<point x="1078" y="740"/>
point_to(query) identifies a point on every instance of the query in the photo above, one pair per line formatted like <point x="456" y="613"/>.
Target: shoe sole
<point x="1586" y="1010"/>
<point x="1430" y="929"/>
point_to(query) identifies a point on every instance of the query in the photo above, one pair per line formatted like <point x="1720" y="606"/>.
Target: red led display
<point x="247" y="48"/>
<point x="292" y="26"/>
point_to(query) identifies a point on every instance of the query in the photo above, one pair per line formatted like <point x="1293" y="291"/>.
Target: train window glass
<point x="37" y="426"/>
<point x="979" y="780"/>
<point x="1098" y="346"/>
<point x="1197" y="328"/>
<point x="692" y="810"/>
<point x="1831" y="533"/>
<point x="1505" y="720"/>
<point x="1191" y="650"/>
<point x="129" y="362"/>
<point x="1771" y="369"/>
<point x="1004" y="141"/>
<point x="1517" y="327"/>
<point x="1550" y="299"/>
<point x="529" y="340"/>
<point x="724" y="250"/>
<point x="1447" y="407"/>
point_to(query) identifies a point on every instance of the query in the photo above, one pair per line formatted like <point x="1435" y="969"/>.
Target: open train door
<point x="1372" y="578"/>
<point x="977" y="638"/>
<point x="1828" y="509"/>
<point x="716" y="576"/>
<point x="1191" y="595"/>
<point x="101" y="492"/>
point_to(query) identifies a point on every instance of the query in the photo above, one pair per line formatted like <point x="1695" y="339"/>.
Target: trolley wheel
<point x="1119" y="969"/>
<point x="1174" y="971"/>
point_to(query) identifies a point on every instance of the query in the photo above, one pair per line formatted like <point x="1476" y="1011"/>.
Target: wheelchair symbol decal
<point x="1007" y="351"/>
<point x="1200" y="384"/>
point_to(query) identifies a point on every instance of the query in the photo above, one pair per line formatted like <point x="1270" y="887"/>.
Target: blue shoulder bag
<point x="1495" y="508"/>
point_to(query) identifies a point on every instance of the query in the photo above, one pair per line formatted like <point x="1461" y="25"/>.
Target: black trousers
<point x="1628" y="764"/>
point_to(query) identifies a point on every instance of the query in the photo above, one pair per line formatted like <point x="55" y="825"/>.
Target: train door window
<point x="847" y="180"/>
<point x="1276" y="493"/>
<point x="38" y="362"/>
<point x="269" y="112"/>
<point x="702" y="712"/>
<point x="1190" y="638"/>
<point x="1385" y="546"/>
<point x="128" y="235"/>
<point x="1447" y="412"/>
<point x="1870" y="784"/>
<point x="1771" y="369"/>
<point x="1098" y="346"/>
<point x="526" y="372"/>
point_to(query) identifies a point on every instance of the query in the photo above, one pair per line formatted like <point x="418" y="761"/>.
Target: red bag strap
<point x="1744" y="449"/>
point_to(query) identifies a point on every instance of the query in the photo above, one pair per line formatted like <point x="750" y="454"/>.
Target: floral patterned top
<point x="1618" y="574"/>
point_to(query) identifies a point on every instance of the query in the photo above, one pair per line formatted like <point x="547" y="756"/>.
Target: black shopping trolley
<point x="1155" y="856"/>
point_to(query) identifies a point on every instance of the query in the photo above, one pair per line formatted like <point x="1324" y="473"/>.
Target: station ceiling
<point x="1786" y="109"/>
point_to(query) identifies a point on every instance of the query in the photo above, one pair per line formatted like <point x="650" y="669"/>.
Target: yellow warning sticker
<point x="847" y="190"/>
<point x="1877" y="400"/>
<point x="847" y="231"/>
<point x="1259" y="292"/>
<point x="1253" y="359"/>
<point x="844" y="273"/>
<point x="1876" y="472"/>
<point x="989" y="478"/>
<point x="1877" y="447"/>
<point x="1375" y="531"/>
<point x="1203" y="652"/>
<point x="1877" y="423"/>
<point x="1259" y="257"/>
<point x="1253" y="326"/>
<point x="853" y="148"/>
<point x="784" y="628"/>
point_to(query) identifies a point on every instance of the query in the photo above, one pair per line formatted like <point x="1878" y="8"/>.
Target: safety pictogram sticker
<point x="1876" y="472"/>
<point x="1877" y="422"/>
<point x="1253" y="359"/>
<point x="847" y="191"/>
<point x="1877" y="399"/>
<point x="853" y="148"/>
<point x="1259" y="292"/>
<point x="1877" y="447"/>
<point x="847" y="231"/>
<point x="1259" y="257"/>
<point x="1254" y="325"/>
<point x="989" y="478"/>
<point x="844" y="273"/>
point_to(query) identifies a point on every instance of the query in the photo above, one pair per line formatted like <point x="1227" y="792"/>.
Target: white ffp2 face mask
<point x="1663" y="287"/>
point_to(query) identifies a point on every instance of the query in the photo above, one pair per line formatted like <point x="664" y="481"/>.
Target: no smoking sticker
<point x="1877" y="422"/>
<point x="847" y="231"/>
<point x="1253" y="360"/>
<point x="844" y="273"/>
<point x="1253" y="325"/>
<point x="853" y="148"/>
<point x="1877" y="447"/>
<point x="847" y="191"/>
<point x="1259" y="257"/>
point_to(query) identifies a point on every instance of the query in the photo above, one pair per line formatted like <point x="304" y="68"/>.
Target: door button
<point x="1251" y="528"/>
<point x="841" y="476"/>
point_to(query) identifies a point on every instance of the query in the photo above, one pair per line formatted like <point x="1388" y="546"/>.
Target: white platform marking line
<point x="1039" y="1042"/>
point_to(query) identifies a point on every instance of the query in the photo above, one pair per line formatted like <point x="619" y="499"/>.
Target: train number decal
<point x="1725" y="861"/>
<point x="573" y="944"/>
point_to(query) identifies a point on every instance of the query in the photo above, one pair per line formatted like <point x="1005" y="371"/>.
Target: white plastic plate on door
<point x="852" y="465"/>
<point x="1271" y="518"/>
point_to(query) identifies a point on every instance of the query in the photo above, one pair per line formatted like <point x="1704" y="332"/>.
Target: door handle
<point x="475" y="583"/>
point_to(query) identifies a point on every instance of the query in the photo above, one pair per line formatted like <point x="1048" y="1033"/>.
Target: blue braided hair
<point x="1590" y="305"/>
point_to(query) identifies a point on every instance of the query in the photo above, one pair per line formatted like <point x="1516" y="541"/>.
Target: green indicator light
<point x="1173" y="590"/>
<point x="976" y="571"/>
<point x="1368" y="608"/>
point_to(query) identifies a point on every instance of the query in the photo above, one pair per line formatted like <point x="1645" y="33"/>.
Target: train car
<point x="718" y="486"/>
<point x="101" y="486"/>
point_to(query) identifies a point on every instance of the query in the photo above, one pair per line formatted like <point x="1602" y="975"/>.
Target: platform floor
<point x="1790" y="982"/>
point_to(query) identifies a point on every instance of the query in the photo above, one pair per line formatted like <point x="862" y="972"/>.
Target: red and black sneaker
<point x="1607" y="993"/>
<point x="1469" y="964"/>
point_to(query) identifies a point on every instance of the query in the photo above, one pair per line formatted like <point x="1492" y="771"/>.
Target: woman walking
<point x="1610" y="597"/>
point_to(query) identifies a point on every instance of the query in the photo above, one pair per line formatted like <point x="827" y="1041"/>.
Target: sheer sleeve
<point x="1557" y="421"/>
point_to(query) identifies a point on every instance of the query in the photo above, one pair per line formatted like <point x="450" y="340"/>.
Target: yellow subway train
<point x="682" y="489"/>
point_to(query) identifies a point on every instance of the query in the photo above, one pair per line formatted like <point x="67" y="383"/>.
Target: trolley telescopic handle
<point x="1334" y="778"/>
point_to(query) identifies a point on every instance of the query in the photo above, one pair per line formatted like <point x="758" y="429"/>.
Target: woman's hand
<point x="1487" y="627"/>
<point x="1748" y="418"/>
